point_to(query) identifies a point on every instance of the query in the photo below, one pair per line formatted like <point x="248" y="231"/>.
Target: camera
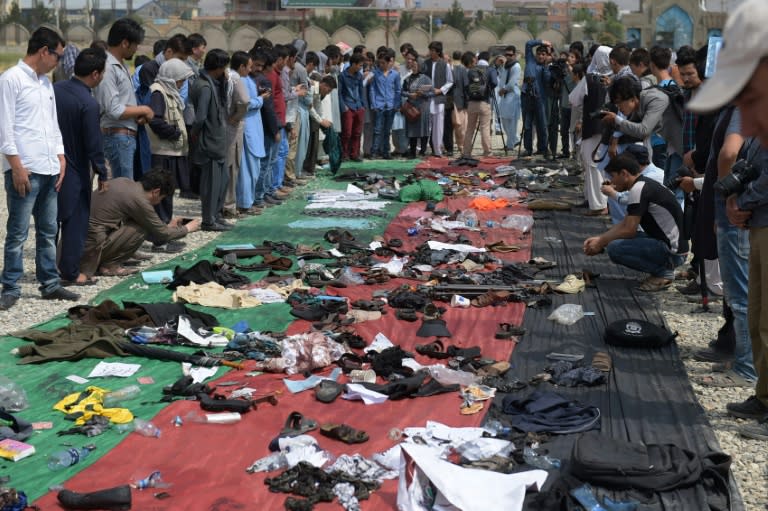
<point x="599" y="114"/>
<point x="742" y="173"/>
<point x="559" y="69"/>
<point x="672" y="183"/>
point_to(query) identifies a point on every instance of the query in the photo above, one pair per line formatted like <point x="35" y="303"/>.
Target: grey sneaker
<point x="755" y="431"/>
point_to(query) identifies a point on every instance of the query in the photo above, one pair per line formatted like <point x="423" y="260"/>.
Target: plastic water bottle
<point x="66" y="458"/>
<point x="537" y="460"/>
<point x="142" y="427"/>
<point x="497" y="428"/>
<point x="155" y="480"/>
<point x="112" y="399"/>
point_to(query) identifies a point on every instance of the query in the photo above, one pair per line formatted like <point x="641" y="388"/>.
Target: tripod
<point x="494" y="111"/>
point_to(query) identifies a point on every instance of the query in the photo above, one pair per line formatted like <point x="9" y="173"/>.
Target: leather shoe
<point x="269" y="199"/>
<point x="8" y="301"/>
<point x="61" y="294"/>
<point x="216" y="227"/>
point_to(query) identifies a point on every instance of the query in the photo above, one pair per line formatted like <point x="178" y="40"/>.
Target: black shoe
<point x="712" y="355"/>
<point x="172" y="247"/>
<point x="215" y="227"/>
<point x="62" y="294"/>
<point x="8" y="301"/>
<point x="752" y="408"/>
<point x="272" y="200"/>
<point x="115" y="499"/>
<point x="690" y="289"/>
<point x="356" y="160"/>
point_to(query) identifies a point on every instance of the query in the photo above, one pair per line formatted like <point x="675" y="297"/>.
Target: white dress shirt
<point x="28" y="124"/>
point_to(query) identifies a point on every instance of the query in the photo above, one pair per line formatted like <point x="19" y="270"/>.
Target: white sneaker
<point x="571" y="285"/>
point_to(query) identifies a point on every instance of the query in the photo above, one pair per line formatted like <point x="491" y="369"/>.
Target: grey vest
<point x="174" y="116"/>
<point x="440" y="76"/>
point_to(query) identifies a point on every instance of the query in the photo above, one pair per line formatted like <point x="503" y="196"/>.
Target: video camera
<point x="742" y="173"/>
<point x="672" y="182"/>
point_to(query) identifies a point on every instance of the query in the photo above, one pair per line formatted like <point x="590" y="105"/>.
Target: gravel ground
<point x="750" y="456"/>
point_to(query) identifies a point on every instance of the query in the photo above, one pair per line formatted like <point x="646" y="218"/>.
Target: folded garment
<point x="544" y="411"/>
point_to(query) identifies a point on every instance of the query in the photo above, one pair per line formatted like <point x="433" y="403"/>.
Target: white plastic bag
<point x="567" y="314"/>
<point x="522" y="223"/>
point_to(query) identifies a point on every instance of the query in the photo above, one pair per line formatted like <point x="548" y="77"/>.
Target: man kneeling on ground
<point x="122" y="217"/>
<point x="659" y="248"/>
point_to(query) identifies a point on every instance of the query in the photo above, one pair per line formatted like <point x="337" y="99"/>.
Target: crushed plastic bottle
<point x="155" y="480"/>
<point x="448" y="376"/>
<point x="468" y="217"/>
<point x="537" y="460"/>
<point x="275" y="461"/>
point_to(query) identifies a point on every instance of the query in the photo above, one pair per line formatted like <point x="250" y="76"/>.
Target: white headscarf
<point x="172" y="71"/>
<point x="600" y="62"/>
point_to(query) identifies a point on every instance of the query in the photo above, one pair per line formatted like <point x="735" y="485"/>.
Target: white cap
<point x="745" y="43"/>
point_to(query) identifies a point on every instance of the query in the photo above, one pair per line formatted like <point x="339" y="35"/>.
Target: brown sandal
<point x="491" y="298"/>
<point x="602" y="362"/>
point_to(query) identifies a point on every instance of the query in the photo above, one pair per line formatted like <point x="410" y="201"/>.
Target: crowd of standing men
<point x="240" y="131"/>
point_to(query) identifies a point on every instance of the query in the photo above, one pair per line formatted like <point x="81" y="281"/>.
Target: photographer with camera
<point x="742" y="71"/>
<point x="536" y="78"/>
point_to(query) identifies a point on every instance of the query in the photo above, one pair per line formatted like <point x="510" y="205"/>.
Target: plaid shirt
<point x="689" y="126"/>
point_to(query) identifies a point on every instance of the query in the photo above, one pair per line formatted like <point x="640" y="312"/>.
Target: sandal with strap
<point x="344" y="433"/>
<point x="296" y="424"/>
<point x="654" y="284"/>
<point x="433" y="350"/>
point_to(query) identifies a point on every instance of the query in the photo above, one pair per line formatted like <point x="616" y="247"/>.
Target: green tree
<point x="361" y="20"/>
<point x="610" y="11"/>
<point x="38" y="15"/>
<point x="406" y="21"/>
<point x="498" y="23"/>
<point x="533" y="25"/>
<point x="455" y="18"/>
<point x="14" y="14"/>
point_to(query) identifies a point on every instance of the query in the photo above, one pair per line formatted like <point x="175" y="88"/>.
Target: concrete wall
<point x="243" y="37"/>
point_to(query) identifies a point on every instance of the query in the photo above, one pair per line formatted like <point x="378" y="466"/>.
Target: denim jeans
<point x="119" y="151"/>
<point x="278" y="168"/>
<point x="41" y="203"/>
<point x="381" y="132"/>
<point x="646" y="254"/>
<point x="733" y="253"/>
<point x="267" y="164"/>
<point x="534" y="114"/>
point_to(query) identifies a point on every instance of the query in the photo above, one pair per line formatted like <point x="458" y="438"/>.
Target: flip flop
<point x="729" y="378"/>
<point x="344" y="433"/>
<point x="296" y="424"/>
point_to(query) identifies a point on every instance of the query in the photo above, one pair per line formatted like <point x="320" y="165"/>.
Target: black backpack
<point x="618" y="464"/>
<point x="477" y="90"/>
<point x="676" y="98"/>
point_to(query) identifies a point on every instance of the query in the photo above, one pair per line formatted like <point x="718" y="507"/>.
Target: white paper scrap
<point x="119" y="369"/>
